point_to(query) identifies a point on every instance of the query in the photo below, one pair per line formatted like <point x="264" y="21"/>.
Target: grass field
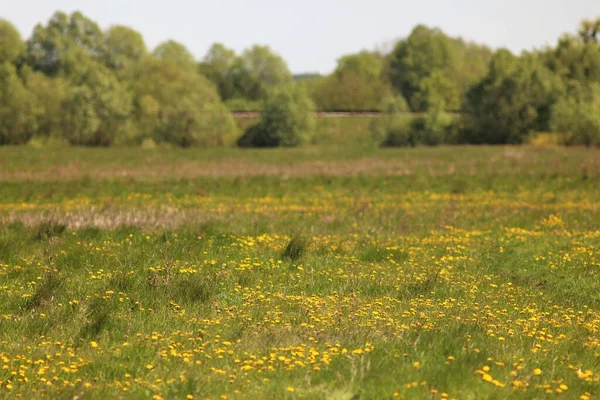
<point x="338" y="273"/>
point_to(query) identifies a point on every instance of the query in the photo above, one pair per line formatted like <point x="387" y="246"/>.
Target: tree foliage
<point x="258" y="69"/>
<point x="50" y="96"/>
<point x="514" y="99"/>
<point x="11" y="44"/>
<point x="98" y="107"/>
<point x="428" y="53"/>
<point x="218" y="66"/>
<point x="123" y="47"/>
<point x="179" y="106"/>
<point x="71" y="80"/>
<point x="51" y="46"/>
<point x="17" y="108"/>
<point x="349" y="92"/>
<point x="175" y="53"/>
<point x="589" y="31"/>
<point x="357" y="84"/>
<point x="247" y="76"/>
<point x="367" y="64"/>
<point x="577" y="115"/>
<point x="393" y="121"/>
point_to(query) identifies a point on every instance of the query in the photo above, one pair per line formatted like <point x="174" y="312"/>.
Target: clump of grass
<point x="48" y="229"/>
<point x="51" y="283"/>
<point x="423" y="287"/>
<point x="295" y="249"/>
<point x="459" y="186"/>
<point x="373" y="253"/>
<point x="97" y="318"/>
<point x="191" y="290"/>
<point x="121" y="281"/>
<point x="46" y="291"/>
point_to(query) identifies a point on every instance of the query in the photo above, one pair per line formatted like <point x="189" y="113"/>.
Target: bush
<point x="392" y="128"/>
<point x="286" y="120"/>
<point x="430" y="129"/>
<point x="394" y="105"/>
<point x="397" y="130"/>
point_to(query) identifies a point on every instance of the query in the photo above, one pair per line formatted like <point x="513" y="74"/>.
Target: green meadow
<point x="318" y="272"/>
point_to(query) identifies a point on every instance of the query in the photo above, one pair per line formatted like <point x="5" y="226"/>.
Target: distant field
<point x="321" y="272"/>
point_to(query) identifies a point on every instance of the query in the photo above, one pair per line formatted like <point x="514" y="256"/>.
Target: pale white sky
<point x="312" y="34"/>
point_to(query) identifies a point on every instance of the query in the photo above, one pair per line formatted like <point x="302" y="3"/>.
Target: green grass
<point x="322" y="272"/>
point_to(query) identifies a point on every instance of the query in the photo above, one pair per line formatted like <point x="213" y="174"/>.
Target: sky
<point x="312" y="34"/>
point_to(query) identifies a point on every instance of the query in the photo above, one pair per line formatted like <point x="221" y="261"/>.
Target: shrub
<point x="286" y="120"/>
<point x="430" y="129"/>
<point x="295" y="249"/>
<point x="393" y="126"/>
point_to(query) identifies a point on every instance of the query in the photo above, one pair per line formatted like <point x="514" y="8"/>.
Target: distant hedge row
<point x="72" y="81"/>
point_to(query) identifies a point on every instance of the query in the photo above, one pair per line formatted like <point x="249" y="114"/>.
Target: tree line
<point x="71" y="80"/>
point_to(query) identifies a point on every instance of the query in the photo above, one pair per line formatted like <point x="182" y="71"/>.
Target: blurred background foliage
<point x="71" y="81"/>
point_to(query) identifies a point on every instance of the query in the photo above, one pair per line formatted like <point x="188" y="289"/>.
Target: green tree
<point x="179" y="106"/>
<point x="287" y="119"/>
<point x="98" y="109"/>
<point x="258" y="69"/>
<point x="176" y="53"/>
<point x="511" y="101"/>
<point x="123" y="47"/>
<point x="357" y="84"/>
<point x="590" y="31"/>
<point x="574" y="59"/>
<point x="11" y="44"/>
<point x="437" y="91"/>
<point x="431" y="128"/>
<point x="17" y="108"/>
<point x="218" y="66"/>
<point x="392" y="126"/>
<point x="426" y="52"/>
<point x="50" y="96"/>
<point x="51" y="46"/>
<point x="416" y="58"/>
<point x="366" y="64"/>
<point x="349" y="91"/>
<point x="577" y="115"/>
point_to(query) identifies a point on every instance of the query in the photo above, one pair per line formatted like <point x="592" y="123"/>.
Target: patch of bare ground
<point x="242" y="168"/>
